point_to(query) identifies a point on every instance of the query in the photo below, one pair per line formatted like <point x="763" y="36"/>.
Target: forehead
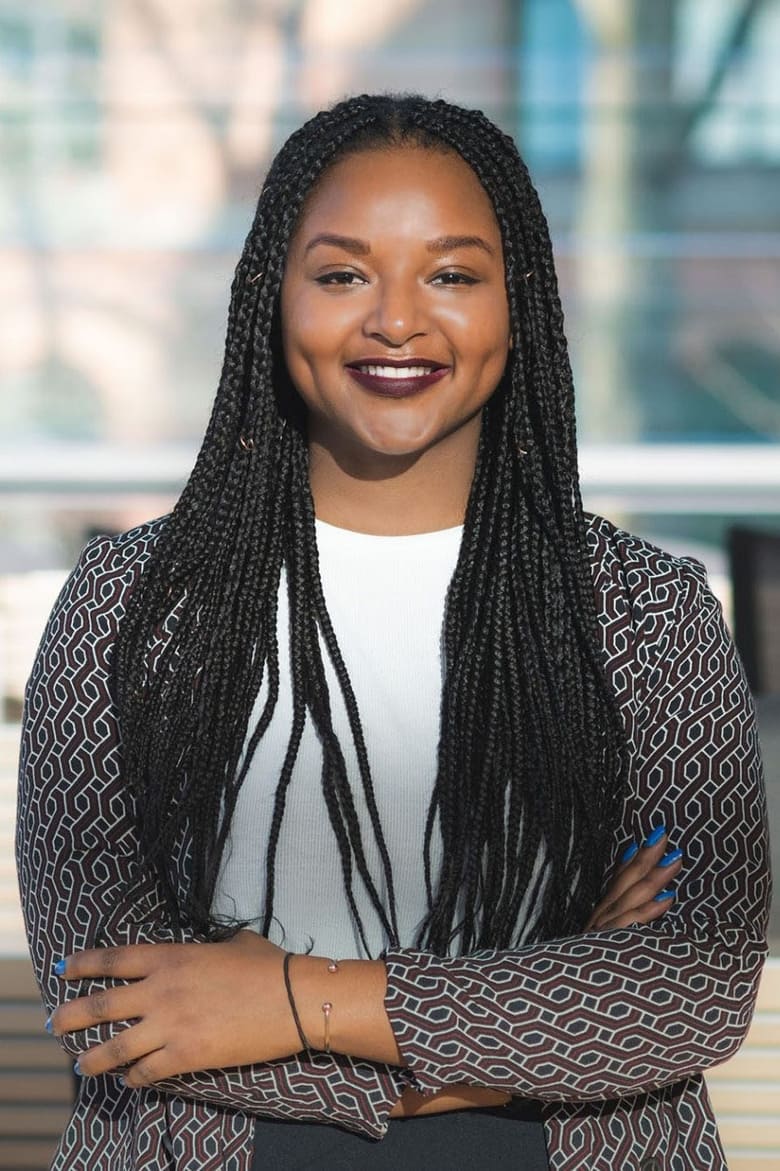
<point x="407" y="190"/>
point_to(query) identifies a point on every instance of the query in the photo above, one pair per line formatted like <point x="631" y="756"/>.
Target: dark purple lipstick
<point x="396" y="377"/>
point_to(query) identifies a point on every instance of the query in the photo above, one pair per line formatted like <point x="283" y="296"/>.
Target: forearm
<point x="358" y="1023"/>
<point x="342" y="1006"/>
<point x="334" y="1091"/>
<point x="317" y="1086"/>
<point x="601" y="1016"/>
<point x="358" y="1095"/>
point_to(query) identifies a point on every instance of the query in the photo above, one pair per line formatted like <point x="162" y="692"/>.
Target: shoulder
<point x="123" y="553"/>
<point x="109" y="563"/>
<point x="653" y="607"/>
<point x="95" y="594"/>
<point x="640" y="570"/>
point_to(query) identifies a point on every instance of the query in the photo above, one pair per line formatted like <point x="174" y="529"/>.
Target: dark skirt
<point x="463" y="1140"/>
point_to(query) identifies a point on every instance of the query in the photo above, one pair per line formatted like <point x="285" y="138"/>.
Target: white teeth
<point x="395" y="371"/>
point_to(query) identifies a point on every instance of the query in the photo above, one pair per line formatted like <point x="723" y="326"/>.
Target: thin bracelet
<point x="288" y="955"/>
<point x="327" y="1009"/>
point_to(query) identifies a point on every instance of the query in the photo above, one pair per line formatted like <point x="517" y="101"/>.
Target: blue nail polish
<point x="655" y="836"/>
<point x="663" y="895"/>
<point x="77" y="1069"/>
<point x="671" y="857"/>
<point x="59" y="968"/>
<point x="122" y="1082"/>
<point x="628" y="854"/>
<point x="49" y="1026"/>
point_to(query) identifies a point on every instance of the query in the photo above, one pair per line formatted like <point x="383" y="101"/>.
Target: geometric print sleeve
<point x="606" y="1015"/>
<point x="77" y="851"/>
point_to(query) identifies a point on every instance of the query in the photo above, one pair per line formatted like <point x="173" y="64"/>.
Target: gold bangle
<point x="327" y="1009"/>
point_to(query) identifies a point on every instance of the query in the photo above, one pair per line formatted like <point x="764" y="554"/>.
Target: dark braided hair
<point x="531" y="759"/>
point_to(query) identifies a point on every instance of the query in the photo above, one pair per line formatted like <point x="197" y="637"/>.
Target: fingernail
<point x="59" y="968"/>
<point x="77" y="1068"/>
<point x="663" y="895"/>
<point x="628" y="854"/>
<point x="49" y="1026"/>
<point x="672" y="856"/>
<point x="656" y="835"/>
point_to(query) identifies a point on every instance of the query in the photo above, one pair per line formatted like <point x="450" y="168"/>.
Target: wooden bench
<point x="36" y="1085"/>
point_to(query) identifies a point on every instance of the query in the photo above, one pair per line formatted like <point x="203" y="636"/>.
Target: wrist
<point x="343" y="1004"/>
<point x="305" y="1043"/>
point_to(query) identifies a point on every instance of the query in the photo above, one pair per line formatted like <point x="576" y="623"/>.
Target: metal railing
<point x="735" y="479"/>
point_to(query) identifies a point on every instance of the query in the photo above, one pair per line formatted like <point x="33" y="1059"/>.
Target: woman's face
<point x="394" y="311"/>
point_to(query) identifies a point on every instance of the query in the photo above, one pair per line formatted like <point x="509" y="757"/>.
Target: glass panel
<point x="133" y="139"/>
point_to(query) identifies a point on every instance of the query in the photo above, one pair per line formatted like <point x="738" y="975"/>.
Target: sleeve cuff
<point x="420" y="1007"/>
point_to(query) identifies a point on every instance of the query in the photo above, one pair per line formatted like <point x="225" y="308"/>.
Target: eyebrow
<point x="450" y="243"/>
<point x="361" y="248"/>
<point x="347" y="243"/>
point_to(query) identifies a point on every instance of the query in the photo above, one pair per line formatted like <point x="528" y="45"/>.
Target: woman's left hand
<point x="639" y="890"/>
<point x="192" y="1006"/>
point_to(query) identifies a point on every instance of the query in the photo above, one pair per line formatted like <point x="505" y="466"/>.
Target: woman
<point x="380" y="694"/>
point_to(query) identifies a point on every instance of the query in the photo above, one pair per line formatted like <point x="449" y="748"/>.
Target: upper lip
<point x="410" y="360"/>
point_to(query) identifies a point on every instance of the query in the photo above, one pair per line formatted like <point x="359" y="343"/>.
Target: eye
<point x="453" y="278"/>
<point x="343" y="278"/>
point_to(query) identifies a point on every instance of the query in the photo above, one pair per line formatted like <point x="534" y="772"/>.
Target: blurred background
<point x="134" y="135"/>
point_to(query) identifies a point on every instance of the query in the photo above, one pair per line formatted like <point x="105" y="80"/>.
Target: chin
<point x="401" y="449"/>
<point x="406" y="442"/>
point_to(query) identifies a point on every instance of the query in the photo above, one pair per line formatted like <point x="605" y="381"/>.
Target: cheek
<point x="313" y="324"/>
<point x="483" y="331"/>
<point x="295" y="356"/>
<point x="301" y="336"/>
<point x="311" y="346"/>
<point x="492" y="344"/>
<point x="495" y="355"/>
<point x="314" y="360"/>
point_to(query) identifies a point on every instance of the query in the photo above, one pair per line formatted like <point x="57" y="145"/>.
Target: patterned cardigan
<point x="611" y="1030"/>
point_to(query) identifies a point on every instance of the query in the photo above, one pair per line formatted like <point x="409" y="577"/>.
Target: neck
<point x="394" y="495"/>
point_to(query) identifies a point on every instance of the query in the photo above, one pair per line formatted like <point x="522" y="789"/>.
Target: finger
<point x="637" y="885"/>
<point x="640" y="892"/>
<point x="646" y="857"/>
<point x="154" y="1067"/>
<point x="632" y="867"/>
<point x="647" y="913"/>
<point x="107" y="1004"/>
<point x="128" y="1046"/>
<point x="123" y="963"/>
<point x="643" y="857"/>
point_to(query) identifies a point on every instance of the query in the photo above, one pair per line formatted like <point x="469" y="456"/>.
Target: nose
<point x="396" y="315"/>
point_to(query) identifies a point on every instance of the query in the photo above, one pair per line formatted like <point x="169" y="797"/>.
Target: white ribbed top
<point x="385" y="597"/>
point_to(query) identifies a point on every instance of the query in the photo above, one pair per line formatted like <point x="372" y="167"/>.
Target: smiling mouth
<point x="396" y="381"/>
